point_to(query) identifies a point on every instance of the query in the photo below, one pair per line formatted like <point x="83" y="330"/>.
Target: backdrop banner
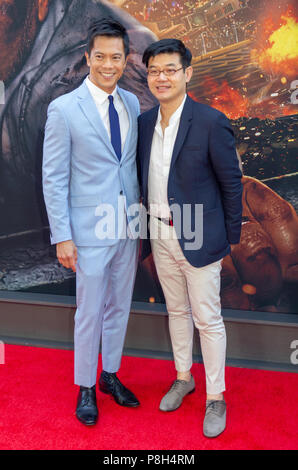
<point x="245" y="60"/>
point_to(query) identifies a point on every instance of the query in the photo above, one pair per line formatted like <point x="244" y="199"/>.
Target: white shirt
<point x="102" y="103"/>
<point x="160" y="162"/>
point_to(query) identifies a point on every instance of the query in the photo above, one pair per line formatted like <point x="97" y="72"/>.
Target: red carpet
<point x="38" y="401"/>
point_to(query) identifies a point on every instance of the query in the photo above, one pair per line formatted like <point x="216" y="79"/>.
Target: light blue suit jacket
<point x="81" y="171"/>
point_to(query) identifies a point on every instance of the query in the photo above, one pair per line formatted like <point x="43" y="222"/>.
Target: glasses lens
<point x="167" y="72"/>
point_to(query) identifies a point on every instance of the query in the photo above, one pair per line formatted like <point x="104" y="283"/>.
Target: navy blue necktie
<point x="115" y="128"/>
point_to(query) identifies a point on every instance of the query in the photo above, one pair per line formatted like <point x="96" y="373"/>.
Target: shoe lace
<point x="86" y="399"/>
<point x="175" y="385"/>
<point x="117" y="385"/>
<point x="214" y="405"/>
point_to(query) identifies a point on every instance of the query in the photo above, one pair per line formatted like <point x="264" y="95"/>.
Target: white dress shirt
<point x="102" y="103"/>
<point x="160" y="162"/>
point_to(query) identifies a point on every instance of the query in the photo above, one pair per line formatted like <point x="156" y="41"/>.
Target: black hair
<point x="168" y="46"/>
<point x="107" y="27"/>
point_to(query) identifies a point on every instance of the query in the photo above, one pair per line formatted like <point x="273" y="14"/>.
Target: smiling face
<point x="18" y="28"/>
<point x="168" y="89"/>
<point x="107" y="62"/>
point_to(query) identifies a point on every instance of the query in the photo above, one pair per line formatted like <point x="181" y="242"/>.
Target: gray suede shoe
<point x="215" y="418"/>
<point x="173" y="399"/>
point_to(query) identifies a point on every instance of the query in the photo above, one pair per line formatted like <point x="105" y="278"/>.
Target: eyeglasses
<point x="167" y="72"/>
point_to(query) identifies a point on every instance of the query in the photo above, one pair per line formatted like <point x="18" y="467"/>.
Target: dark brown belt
<point x="166" y="221"/>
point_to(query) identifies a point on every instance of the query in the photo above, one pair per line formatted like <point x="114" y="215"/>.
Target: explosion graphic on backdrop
<point x="280" y="56"/>
<point x="266" y="89"/>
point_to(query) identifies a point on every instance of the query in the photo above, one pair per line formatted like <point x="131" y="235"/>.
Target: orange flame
<point x="280" y="56"/>
<point x="234" y="105"/>
<point x="226" y="99"/>
<point x="277" y="55"/>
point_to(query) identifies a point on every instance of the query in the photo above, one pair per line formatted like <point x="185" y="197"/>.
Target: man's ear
<point x="87" y="59"/>
<point x="43" y="8"/>
<point x="188" y="73"/>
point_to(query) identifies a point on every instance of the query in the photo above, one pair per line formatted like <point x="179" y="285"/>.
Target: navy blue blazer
<point x="204" y="170"/>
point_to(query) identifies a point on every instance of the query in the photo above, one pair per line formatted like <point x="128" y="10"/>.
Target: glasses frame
<point x="162" y="71"/>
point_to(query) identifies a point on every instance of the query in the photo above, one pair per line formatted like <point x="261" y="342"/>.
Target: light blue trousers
<point x="105" y="279"/>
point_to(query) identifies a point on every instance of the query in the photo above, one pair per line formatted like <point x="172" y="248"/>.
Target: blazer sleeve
<point x="225" y="163"/>
<point x="138" y="106"/>
<point x="56" y="173"/>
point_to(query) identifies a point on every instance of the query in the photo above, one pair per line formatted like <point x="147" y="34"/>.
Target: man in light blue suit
<point x="89" y="182"/>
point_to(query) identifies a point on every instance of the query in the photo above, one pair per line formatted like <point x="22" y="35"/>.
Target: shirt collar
<point x="97" y="93"/>
<point x="175" y="116"/>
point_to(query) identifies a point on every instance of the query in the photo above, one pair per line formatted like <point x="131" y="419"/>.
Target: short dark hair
<point x="168" y="46"/>
<point x="107" y="27"/>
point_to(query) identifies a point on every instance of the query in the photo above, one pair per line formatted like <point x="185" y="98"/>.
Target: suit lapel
<point x="90" y="111"/>
<point x="128" y="110"/>
<point x="185" y="122"/>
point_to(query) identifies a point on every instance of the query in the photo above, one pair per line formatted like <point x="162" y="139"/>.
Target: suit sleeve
<point x="56" y="173"/>
<point x="138" y="107"/>
<point x="138" y="157"/>
<point x="225" y="163"/>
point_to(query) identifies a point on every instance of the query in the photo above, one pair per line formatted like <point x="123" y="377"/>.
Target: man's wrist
<point x="64" y="241"/>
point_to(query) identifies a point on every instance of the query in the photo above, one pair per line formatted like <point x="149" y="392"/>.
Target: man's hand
<point x="67" y="254"/>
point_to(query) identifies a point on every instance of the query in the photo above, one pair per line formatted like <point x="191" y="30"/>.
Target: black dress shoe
<point x="86" y="410"/>
<point x="110" y="384"/>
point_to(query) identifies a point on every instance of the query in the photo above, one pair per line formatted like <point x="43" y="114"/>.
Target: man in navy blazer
<point x="89" y="183"/>
<point x="191" y="186"/>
